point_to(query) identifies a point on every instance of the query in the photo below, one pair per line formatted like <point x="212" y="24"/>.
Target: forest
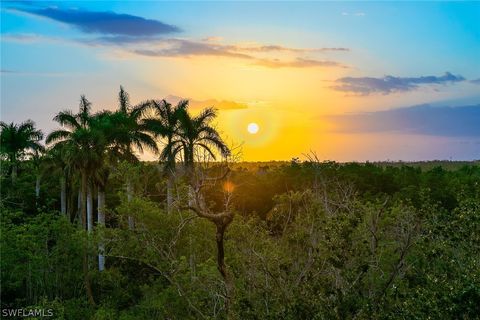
<point x="89" y="231"/>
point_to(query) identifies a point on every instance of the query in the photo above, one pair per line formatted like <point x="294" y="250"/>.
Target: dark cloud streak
<point x="391" y="84"/>
<point x="461" y="121"/>
<point x="298" y="63"/>
<point x="475" y="81"/>
<point x="187" y="48"/>
<point x="106" y="22"/>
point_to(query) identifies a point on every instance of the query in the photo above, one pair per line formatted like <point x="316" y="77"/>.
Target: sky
<point x="350" y="81"/>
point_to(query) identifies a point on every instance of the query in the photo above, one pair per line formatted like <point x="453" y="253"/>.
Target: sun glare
<point x="252" y="128"/>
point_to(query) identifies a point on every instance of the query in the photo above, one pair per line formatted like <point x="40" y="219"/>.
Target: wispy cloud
<point x="188" y="48"/>
<point x="219" y="104"/>
<point x="298" y="63"/>
<point x="23" y="37"/>
<point x="278" y="48"/>
<point x="475" y="81"/>
<point x="213" y="39"/>
<point x="391" y="84"/>
<point x="106" y="22"/>
<point x="461" y="121"/>
<point x="257" y="54"/>
<point x="209" y="44"/>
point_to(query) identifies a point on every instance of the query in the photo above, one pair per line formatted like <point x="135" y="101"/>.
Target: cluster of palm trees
<point x="89" y="145"/>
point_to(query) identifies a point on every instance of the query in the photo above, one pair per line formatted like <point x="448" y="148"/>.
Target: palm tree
<point x="129" y="131"/>
<point x="16" y="140"/>
<point x="123" y="130"/>
<point x="197" y="133"/>
<point x="165" y="124"/>
<point x="81" y="144"/>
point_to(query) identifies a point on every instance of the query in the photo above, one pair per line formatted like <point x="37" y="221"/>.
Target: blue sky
<point x="302" y="70"/>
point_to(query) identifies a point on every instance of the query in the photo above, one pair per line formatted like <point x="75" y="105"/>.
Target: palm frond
<point x="123" y="100"/>
<point x="155" y="126"/>
<point x="67" y="119"/>
<point x="205" y="147"/>
<point x="147" y="141"/>
<point x="207" y="115"/>
<point x="182" y="105"/>
<point x="84" y="113"/>
<point x="26" y="126"/>
<point x="140" y="109"/>
<point x="218" y="143"/>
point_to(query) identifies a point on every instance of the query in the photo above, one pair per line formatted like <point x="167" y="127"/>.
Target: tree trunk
<point x="37" y="190"/>
<point x="195" y="198"/>
<point x="170" y="184"/>
<point x="101" y="222"/>
<point x="63" y="195"/>
<point x="14" y="172"/>
<point x="79" y="207"/>
<point x="190" y="176"/>
<point x="37" y="187"/>
<point x="131" y="221"/>
<point x="89" y="208"/>
<point x="83" y="207"/>
<point x="72" y="197"/>
<point x="222" y="268"/>
<point x="83" y="200"/>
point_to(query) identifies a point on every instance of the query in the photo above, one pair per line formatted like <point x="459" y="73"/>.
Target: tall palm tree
<point x="129" y="131"/>
<point x="16" y="140"/>
<point x="197" y="133"/>
<point x="105" y="122"/>
<point x="165" y="123"/>
<point x="81" y="144"/>
<point x="123" y="130"/>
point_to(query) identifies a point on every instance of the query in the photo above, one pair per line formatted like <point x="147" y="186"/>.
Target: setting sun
<point x="253" y="128"/>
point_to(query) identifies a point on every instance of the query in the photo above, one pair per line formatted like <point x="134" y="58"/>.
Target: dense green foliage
<point x="309" y="241"/>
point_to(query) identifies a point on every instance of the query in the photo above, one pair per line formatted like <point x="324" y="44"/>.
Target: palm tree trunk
<point x="37" y="187"/>
<point x="101" y="222"/>
<point x="83" y="207"/>
<point x="83" y="200"/>
<point x="63" y="195"/>
<point x="14" y="172"/>
<point x="89" y="208"/>
<point x="190" y="176"/>
<point x="131" y="221"/>
<point x="170" y="184"/>
<point x="79" y="207"/>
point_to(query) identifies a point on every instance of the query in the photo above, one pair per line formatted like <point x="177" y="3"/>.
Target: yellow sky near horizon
<point x="290" y="106"/>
